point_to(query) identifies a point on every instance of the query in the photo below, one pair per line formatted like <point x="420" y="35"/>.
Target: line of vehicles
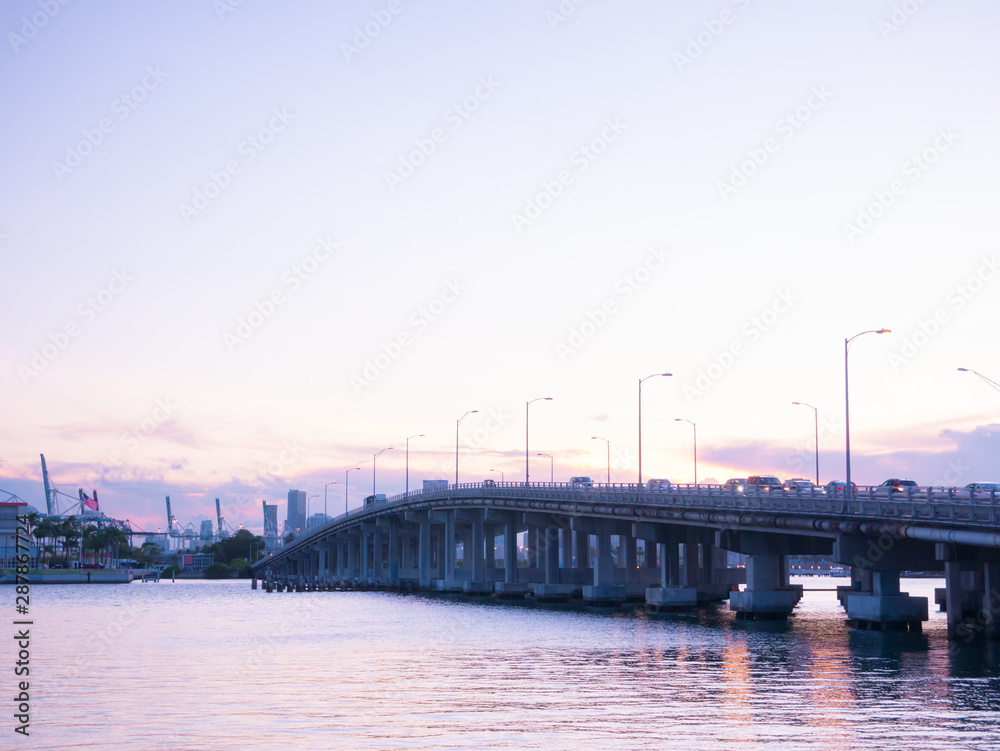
<point x="761" y="484"/>
<point x="756" y="484"/>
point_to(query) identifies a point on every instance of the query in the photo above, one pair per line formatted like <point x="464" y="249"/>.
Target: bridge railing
<point x="923" y="503"/>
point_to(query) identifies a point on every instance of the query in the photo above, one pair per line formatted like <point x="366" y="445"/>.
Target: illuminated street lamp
<point x="420" y="435"/>
<point x="457" y="423"/>
<point x="816" y="420"/>
<point x="681" y="419"/>
<point x="640" y="417"/>
<point x="307" y="508"/>
<point x="598" y="438"/>
<point x="552" y="467"/>
<point x="347" y="485"/>
<point x="847" y="403"/>
<point x="526" y="405"/>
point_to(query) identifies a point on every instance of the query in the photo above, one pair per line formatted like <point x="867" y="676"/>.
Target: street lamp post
<point x="324" y="495"/>
<point x="598" y="438"/>
<point x="501" y="475"/>
<point x="526" y="405"/>
<point x="457" y="423"/>
<point x="847" y="404"/>
<point x="640" y="417"/>
<point x="552" y="467"/>
<point x="375" y="456"/>
<point x="693" y="425"/>
<point x="989" y="381"/>
<point x="816" y="421"/>
<point x="347" y="485"/>
<point x="307" y="508"/>
<point x="419" y="435"/>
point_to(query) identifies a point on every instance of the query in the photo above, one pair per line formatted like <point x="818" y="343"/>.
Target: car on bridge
<point x="895" y="485"/>
<point x="489" y="483"/>
<point x="763" y="484"/>
<point x="802" y="487"/>
<point x="581" y="482"/>
<point x="983" y="490"/>
<point x="735" y="484"/>
<point x="835" y="487"/>
<point x="377" y="498"/>
<point x="658" y="484"/>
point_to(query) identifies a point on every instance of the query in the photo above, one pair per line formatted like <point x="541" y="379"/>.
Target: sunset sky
<point x="245" y="246"/>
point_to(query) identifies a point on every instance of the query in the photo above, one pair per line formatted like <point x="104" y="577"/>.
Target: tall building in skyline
<point x="270" y="520"/>
<point x="296" y="518"/>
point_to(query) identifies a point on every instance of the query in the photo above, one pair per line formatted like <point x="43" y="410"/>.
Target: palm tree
<point x="69" y="534"/>
<point x="115" y="538"/>
<point x="42" y="531"/>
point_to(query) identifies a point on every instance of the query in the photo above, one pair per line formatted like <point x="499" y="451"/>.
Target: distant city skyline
<point x="249" y="246"/>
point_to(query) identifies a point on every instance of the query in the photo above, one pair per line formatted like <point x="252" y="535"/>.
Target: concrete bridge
<point x="671" y="547"/>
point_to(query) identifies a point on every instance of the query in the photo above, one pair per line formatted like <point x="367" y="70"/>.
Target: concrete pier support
<point x="424" y="553"/>
<point x="475" y="555"/>
<point x="353" y="548"/>
<point x="510" y="587"/>
<point x="971" y="599"/>
<point x="449" y="583"/>
<point x="553" y="589"/>
<point x="490" y="533"/>
<point x="395" y="554"/>
<point x="768" y="595"/>
<point x="884" y="608"/>
<point x="603" y="591"/>
<point x="669" y="593"/>
<point x="991" y="598"/>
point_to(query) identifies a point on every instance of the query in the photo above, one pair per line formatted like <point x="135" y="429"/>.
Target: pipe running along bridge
<point x="412" y="541"/>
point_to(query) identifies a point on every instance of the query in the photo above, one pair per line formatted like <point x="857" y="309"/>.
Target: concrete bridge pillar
<point x="378" y="570"/>
<point x="424" y="553"/>
<point x="365" y="555"/>
<point x="440" y="554"/>
<point x="649" y="551"/>
<point x="324" y="569"/>
<point x="565" y="550"/>
<point x="510" y="553"/>
<point x="767" y="595"/>
<point x="582" y="550"/>
<point x="353" y="549"/>
<point x="551" y="553"/>
<point x="971" y="598"/>
<point x="884" y="607"/>
<point x="991" y="598"/>
<point x="476" y="549"/>
<point x="475" y="552"/>
<point x="630" y="558"/>
<point x="510" y="587"/>
<point x="449" y="581"/>
<point x="490" y="533"/>
<point x="395" y="554"/>
<point x="604" y="591"/>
